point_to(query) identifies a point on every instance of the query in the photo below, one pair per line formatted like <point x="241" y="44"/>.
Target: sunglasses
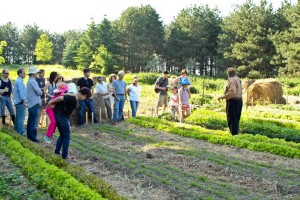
<point x="5" y="73"/>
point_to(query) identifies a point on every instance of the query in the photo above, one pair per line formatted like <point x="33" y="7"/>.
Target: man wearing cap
<point x="87" y="83"/>
<point x="41" y="81"/>
<point x="161" y="85"/>
<point x="119" y="87"/>
<point x="234" y="102"/>
<point x="20" y="102"/>
<point x="6" y="91"/>
<point x="64" y="105"/>
<point x="34" y="94"/>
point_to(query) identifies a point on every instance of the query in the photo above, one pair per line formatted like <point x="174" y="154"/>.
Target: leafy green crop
<point x="57" y="182"/>
<point x="271" y="128"/>
<point x="79" y="173"/>
<point x="253" y="142"/>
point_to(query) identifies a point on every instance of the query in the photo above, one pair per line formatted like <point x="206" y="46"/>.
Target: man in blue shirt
<point x="34" y="94"/>
<point x="20" y="102"/>
<point x="119" y="86"/>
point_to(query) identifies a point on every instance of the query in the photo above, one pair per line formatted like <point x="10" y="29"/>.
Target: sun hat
<point x="32" y="70"/>
<point x="62" y="88"/>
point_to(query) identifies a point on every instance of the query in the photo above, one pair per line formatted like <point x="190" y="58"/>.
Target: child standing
<point x="184" y="99"/>
<point x="62" y="88"/>
<point x="174" y="102"/>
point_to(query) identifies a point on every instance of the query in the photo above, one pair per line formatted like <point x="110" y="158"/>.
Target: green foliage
<point x="287" y="41"/>
<point x="2" y="45"/>
<point x="57" y="182"/>
<point x="253" y="142"/>
<point x="69" y="54"/>
<point x="245" y="39"/>
<point x="271" y="128"/>
<point x="198" y="99"/>
<point x="102" y="61"/>
<point x="43" y="49"/>
<point x="140" y="35"/>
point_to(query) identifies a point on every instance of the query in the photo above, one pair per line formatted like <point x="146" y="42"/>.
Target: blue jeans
<point x="63" y="141"/>
<point x="90" y="104"/>
<point x="20" y="118"/>
<point x="32" y="123"/>
<point x="134" y="106"/>
<point x="6" y="102"/>
<point x="118" y="107"/>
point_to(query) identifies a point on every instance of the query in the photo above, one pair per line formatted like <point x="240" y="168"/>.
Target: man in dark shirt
<point x="64" y="106"/>
<point x="162" y="85"/>
<point x="6" y="90"/>
<point x="87" y="83"/>
<point x="41" y="82"/>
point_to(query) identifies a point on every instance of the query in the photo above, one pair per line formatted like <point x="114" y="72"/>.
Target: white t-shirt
<point x="135" y="92"/>
<point x="102" y="89"/>
<point x="174" y="99"/>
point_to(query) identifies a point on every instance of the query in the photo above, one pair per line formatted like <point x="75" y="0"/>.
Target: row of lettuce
<point x="57" y="177"/>
<point x="249" y="124"/>
<point x="253" y="142"/>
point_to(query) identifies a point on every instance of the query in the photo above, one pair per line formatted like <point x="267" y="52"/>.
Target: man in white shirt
<point x="101" y="88"/>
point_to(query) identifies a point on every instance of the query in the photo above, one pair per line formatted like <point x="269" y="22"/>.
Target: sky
<point x="62" y="15"/>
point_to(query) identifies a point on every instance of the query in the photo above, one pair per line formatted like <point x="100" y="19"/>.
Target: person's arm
<point x="78" y="84"/>
<point x="125" y="92"/>
<point x="12" y="89"/>
<point x="157" y="85"/>
<point x="175" y="82"/>
<point x="56" y="100"/>
<point x="128" y="91"/>
<point x="36" y="88"/>
<point x="22" y="92"/>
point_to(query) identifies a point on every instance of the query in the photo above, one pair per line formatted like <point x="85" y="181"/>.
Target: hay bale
<point x="266" y="90"/>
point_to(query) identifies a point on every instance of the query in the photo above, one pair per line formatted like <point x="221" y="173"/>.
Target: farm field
<point x="155" y="158"/>
<point x="145" y="163"/>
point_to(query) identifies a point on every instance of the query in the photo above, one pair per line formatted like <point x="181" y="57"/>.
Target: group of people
<point x="60" y="98"/>
<point x="179" y="99"/>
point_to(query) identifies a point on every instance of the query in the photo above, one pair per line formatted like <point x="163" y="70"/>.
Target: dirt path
<point x="147" y="164"/>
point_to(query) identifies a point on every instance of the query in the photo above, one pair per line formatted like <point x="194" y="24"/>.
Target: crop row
<point x="252" y="142"/>
<point x="94" y="182"/>
<point x="289" y="115"/>
<point x="56" y="181"/>
<point x="271" y="128"/>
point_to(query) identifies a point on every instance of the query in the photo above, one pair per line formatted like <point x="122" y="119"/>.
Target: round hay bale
<point x="246" y="84"/>
<point x="266" y="90"/>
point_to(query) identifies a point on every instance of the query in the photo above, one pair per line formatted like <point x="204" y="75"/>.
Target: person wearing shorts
<point x="161" y="84"/>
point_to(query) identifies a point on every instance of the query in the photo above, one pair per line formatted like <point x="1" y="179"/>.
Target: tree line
<point x="258" y="40"/>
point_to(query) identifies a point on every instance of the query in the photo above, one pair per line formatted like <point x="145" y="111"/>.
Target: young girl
<point x="62" y="88"/>
<point x="184" y="99"/>
<point x="174" y="102"/>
